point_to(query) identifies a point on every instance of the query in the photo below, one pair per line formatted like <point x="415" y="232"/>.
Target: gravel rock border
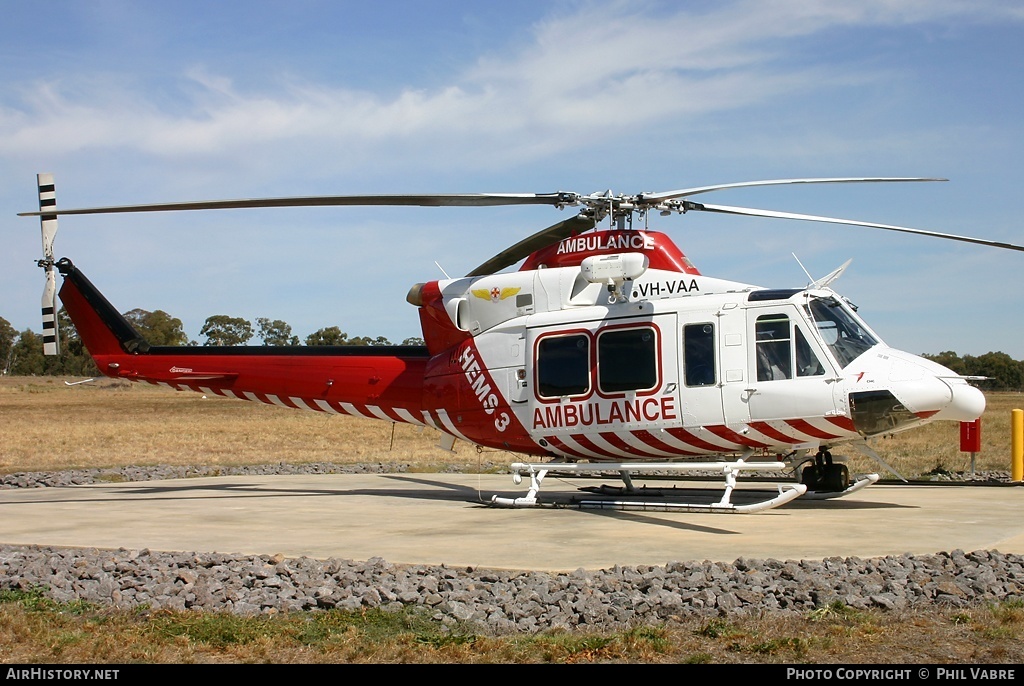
<point x="500" y="602"/>
<point x="496" y="602"/>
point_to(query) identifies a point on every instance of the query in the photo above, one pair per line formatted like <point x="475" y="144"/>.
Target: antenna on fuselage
<point x="825" y="280"/>
<point x="810" y="279"/>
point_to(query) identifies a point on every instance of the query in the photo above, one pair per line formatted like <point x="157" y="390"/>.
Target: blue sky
<point x="135" y="102"/>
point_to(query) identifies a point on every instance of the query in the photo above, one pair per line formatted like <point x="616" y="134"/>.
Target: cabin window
<point x="563" y="366"/>
<point x="627" y="360"/>
<point x="699" y="355"/>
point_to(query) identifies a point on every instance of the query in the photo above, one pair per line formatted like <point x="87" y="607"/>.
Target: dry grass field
<point x="47" y="425"/>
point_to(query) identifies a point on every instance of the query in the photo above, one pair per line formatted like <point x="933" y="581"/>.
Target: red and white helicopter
<point x="606" y="351"/>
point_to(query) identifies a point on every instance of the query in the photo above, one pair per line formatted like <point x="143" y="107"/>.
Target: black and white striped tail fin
<point x="48" y="224"/>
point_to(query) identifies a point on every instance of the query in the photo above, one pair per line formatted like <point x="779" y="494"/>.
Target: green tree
<point x="366" y="340"/>
<point x="415" y="340"/>
<point x="1003" y="372"/>
<point x="27" y="357"/>
<point x="330" y="335"/>
<point x="8" y="335"/>
<point x="223" y="330"/>
<point x="275" y="332"/>
<point x="158" y="327"/>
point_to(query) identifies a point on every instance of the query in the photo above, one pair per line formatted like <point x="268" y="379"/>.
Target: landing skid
<point x="667" y="500"/>
<point x="859" y="482"/>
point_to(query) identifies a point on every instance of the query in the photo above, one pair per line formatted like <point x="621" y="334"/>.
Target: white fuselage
<point x="689" y="365"/>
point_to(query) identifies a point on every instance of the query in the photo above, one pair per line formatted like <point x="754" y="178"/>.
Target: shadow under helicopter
<point x="604" y="500"/>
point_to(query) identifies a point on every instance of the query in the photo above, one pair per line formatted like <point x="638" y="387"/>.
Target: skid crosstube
<point x="668" y="500"/>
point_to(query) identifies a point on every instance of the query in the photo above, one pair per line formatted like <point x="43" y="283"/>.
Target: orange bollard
<point x="1017" y="444"/>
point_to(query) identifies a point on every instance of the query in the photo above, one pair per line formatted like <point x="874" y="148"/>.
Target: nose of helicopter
<point x="930" y="390"/>
<point x="898" y="390"/>
<point x="966" y="405"/>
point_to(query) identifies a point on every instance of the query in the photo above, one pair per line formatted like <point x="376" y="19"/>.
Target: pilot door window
<point x="627" y="360"/>
<point x="699" y="355"/>
<point x="840" y="330"/>
<point x="782" y="350"/>
<point x="563" y="366"/>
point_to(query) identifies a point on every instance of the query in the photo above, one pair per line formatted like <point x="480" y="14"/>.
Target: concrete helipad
<point x="446" y="518"/>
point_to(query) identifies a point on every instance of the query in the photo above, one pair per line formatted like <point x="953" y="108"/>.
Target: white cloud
<point x="603" y="69"/>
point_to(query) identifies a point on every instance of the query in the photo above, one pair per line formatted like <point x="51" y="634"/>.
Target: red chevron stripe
<point x="562" y="447"/>
<point x="361" y="411"/>
<point x="390" y="413"/>
<point x="735" y="437"/>
<point x="655" y="442"/>
<point x="432" y="419"/>
<point x="310" y="404"/>
<point x="289" y="402"/>
<point x="806" y="427"/>
<point x="844" y="423"/>
<point x="588" y="444"/>
<point x="621" y="444"/>
<point x="687" y="437"/>
<point x="773" y="433"/>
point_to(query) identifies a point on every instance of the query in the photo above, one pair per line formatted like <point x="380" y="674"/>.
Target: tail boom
<point x="379" y="382"/>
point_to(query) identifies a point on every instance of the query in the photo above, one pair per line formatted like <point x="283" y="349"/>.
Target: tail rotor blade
<point x="51" y="339"/>
<point x="48" y="226"/>
<point x="48" y="222"/>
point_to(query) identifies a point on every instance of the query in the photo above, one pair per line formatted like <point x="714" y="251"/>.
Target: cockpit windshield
<point x="840" y="329"/>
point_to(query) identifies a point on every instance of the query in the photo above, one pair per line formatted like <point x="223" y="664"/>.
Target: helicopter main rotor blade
<point x="527" y="246"/>
<point x="559" y="199"/>
<point x="686" y="192"/>
<point x="749" y="212"/>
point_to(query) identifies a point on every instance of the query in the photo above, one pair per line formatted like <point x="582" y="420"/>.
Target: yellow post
<point x="1017" y="444"/>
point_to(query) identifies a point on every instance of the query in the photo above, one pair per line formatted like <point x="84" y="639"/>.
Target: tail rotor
<point x="48" y="225"/>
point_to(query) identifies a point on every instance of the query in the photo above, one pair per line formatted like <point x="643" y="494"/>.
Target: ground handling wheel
<point x="825" y="475"/>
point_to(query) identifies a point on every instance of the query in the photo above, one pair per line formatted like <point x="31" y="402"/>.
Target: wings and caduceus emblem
<point x="495" y="294"/>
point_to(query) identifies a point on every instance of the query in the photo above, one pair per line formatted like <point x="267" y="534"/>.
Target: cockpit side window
<point x="773" y="347"/>
<point x="840" y="330"/>
<point x="807" y="363"/>
<point x="783" y="351"/>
